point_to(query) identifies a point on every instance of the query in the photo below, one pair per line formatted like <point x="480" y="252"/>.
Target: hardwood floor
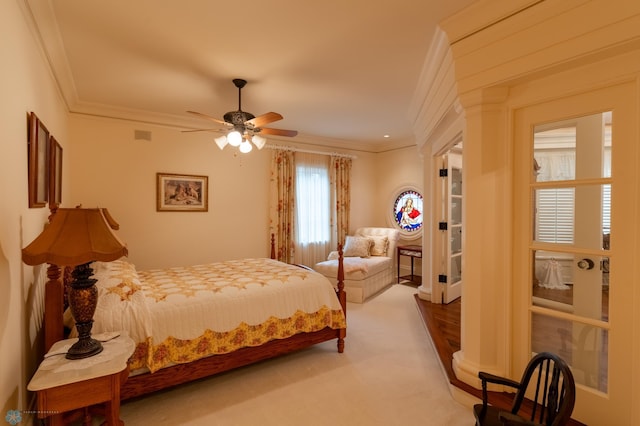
<point x="443" y="323"/>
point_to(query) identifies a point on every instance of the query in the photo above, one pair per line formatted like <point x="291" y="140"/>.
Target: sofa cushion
<point x="355" y="268"/>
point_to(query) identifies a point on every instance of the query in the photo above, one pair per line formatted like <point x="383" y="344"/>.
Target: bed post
<point x="342" y="297"/>
<point x="53" y="308"/>
<point x="273" y="246"/>
<point x="53" y="300"/>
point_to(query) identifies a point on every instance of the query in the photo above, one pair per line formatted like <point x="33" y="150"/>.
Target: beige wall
<point x="26" y="85"/>
<point x="112" y="169"/>
<point x="396" y="169"/>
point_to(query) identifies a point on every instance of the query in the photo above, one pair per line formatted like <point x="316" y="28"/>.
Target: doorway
<point x="448" y="252"/>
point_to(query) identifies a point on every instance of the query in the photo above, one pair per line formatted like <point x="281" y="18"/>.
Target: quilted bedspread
<point x="181" y="314"/>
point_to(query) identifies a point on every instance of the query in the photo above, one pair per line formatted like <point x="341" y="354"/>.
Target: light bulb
<point x="234" y="138"/>
<point x="259" y="141"/>
<point x="245" y="147"/>
<point x="221" y="141"/>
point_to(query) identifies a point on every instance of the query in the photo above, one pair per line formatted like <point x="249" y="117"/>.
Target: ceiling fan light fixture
<point x="234" y="138"/>
<point x="245" y="147"/>
<point x="258" y="141"/>
<point x="241" y="123"/>
<point x="221" y="141"/>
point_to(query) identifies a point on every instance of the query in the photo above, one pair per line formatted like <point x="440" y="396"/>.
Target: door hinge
<point x="444" y="172"/>
<point x="442" y="226"/>
<point x="442" y="278"/>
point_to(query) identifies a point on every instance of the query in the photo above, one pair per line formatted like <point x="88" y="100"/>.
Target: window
<point x="313" y="208"/>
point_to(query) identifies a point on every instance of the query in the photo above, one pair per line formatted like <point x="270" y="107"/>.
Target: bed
<point x="369" y="259"/>
<point x="196" y="321"/>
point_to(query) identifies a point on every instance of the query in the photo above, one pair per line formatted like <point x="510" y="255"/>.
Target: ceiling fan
<point x="245" y="127"/>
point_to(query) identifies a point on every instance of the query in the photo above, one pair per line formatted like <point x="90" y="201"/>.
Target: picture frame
<point x="38" y="167"/>
<point x="182" y="193"/>
<point x="407" y="212"/>
<point x="55" y="172"/>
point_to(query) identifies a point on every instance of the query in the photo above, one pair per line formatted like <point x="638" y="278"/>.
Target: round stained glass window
<point x="407" y="211"/>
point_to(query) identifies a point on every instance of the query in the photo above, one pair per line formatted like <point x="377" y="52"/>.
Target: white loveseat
<point x="366" y="272"/>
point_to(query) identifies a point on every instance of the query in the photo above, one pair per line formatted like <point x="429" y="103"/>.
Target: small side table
<point x="64" y="385"/>
<point x="411" y="251"/>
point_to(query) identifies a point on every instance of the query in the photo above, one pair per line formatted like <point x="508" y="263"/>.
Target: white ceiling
<point x="343" y="71"/>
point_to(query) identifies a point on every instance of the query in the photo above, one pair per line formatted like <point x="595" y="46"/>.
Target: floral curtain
<point x="341" y="185"/>
<point x="282" y="203"/>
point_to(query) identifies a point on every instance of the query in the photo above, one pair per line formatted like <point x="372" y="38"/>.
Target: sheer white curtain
<point x="556" y="165"/>
<point x="313" y="209"/>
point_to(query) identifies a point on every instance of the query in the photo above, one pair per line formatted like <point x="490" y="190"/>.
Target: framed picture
<point x="38" y="162"/>
<point x="55" y="172"/>
<point x="183" y="193"/>
<point x="407" y="212"/>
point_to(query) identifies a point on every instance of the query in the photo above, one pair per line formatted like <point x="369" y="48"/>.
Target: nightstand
<point x="413" y="252"/>
<point x="64" y="385"/>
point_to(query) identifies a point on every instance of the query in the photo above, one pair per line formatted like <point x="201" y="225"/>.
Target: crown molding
<point x="436" y="96"/>
<point x="41" y="19"/>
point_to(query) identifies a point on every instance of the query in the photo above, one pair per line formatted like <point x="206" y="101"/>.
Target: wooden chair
<point x="553" y="391"/>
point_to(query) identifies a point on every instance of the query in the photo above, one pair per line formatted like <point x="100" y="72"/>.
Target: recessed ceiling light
<point x="386" y="136"/>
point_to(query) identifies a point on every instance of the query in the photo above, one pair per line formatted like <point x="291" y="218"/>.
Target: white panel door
<point x="449" y="252"/>
<point x="574" y="174"/>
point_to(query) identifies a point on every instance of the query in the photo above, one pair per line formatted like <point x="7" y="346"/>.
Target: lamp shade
<point x="74" y="237"/>
<point x="234" y="138"/>
<point x="259" y="141"/>
<point x="245" y="147"/>
<point x="221" y="141"/>
<point x="110" y="220"/>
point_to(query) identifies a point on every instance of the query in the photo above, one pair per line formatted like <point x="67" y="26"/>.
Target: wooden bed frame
<point x="182" y="373"/>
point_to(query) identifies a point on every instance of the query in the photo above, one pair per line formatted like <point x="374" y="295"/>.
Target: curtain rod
<point x="308" y="151"/>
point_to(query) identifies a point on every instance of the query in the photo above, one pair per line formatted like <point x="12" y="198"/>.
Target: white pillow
<point x="357" y="246"/>
<point x="379" y="247"/>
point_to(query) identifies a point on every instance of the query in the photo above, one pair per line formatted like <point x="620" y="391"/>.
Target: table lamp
<point x="77" y="237"/>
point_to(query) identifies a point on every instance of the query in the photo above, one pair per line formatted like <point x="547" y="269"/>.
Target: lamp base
<point x="84" y="348"/>
<point x="83" y="298"/>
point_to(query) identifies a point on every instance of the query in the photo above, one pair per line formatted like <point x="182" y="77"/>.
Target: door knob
<point x="585" y="264"/>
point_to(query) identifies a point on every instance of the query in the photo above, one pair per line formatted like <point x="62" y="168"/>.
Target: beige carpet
<point x="388" y="375"/>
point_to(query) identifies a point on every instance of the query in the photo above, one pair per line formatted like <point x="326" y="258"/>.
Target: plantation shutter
<point x="555" y="208"/>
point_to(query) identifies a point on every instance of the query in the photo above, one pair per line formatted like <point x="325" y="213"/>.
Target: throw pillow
<point x="380" y="245"/>
<point x="357" y="246"/>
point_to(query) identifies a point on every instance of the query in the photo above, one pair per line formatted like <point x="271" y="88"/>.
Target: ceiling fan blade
<point x="278" y="132"/>
<point x="263" y="119"/>
<point x="208" y="117"/>
<point x="202" y="130"/>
